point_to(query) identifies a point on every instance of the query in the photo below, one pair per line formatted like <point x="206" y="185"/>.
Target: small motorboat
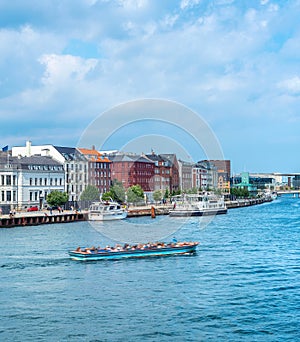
<point x="106" y="211"/>
<point x="133" y="251"/>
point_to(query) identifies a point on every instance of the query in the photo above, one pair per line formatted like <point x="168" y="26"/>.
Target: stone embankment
<point x="32" y="219"/>
<point x="240" y="203"/>
<point x="26" y="219"/>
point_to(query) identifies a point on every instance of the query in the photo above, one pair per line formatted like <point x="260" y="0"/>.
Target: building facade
<point x="75" y="165"/>
<point x="162" y="172"/>
<point x="132" y="169"/>
<point x="26" y="181"/>
<point x="99" y="173"/>
<point x="174" y="171"/>
<point x="223" y="168"/>
<point x="185" y="170"/>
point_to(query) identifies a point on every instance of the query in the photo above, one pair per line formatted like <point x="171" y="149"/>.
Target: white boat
<point x="106" y="211"/>
<point x="198" y="205"/>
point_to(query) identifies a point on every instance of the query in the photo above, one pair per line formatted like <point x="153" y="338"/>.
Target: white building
<point x="26" y="181"/>
<point x="75" y="165"/>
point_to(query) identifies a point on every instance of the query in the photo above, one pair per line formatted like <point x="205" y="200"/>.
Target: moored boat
<point x="198" y="205"/>
<point x="106" y="211"/>
<point x="135" y="251"/>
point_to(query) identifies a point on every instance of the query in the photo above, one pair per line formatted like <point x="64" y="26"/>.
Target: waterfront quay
<point x="32" y="219"/>
<point x="29" y="219"/>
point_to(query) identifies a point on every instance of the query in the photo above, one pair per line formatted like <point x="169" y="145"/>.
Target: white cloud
<point x="61" y="68"/>
<point x="188" y="3"/>
<point x="291" y="85"/>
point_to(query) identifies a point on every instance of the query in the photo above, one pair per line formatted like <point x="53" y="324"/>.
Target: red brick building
<point x="132" y="169"/>
<point x="174" y="171"/>
<point x="99" y="173"/>
<point x="162" y="172"/>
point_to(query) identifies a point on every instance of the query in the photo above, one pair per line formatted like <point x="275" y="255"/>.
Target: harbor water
<point x="243" y="284"/>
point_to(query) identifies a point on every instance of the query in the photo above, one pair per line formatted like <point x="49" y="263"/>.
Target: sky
<point x="66" y="65"/>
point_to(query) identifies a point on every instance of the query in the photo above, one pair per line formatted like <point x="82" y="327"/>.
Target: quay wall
<point x="240" y="203"/>
<point x="34" y="220"/>
<point x="38" y="219"/>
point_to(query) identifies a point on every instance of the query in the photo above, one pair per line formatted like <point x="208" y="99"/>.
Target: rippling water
<point x="242" y="285"/>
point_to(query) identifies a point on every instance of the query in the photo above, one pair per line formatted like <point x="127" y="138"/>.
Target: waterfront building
<point x="99" y="173"/>
<point x="26" y="181"/>
<point x="296" y="182"/>
<point x="266" y="180"/>
<point x="132" y="169"/>
<point x="174" y="171"/>
<point x="224" y="172"/>
<point x="75" y="165"/>
<point x="205" y="175"/>
<point x="162" y="172"/>
<point x="185" y="170"/>
<point x="76" y="171"/>
<point x="244" y="182"/>
<point x="199" y="177"/>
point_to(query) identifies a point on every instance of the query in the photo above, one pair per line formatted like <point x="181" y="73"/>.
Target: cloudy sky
<point x="234" y="63"/>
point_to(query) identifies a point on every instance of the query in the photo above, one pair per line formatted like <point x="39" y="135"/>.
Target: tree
<point x="90" y="193"/>
<point x="117" y="191"/>
<point x="157" y="195"/>
<point x="57" y="198"/>
<point x="167" y="194"/>
<point x="107" y="196"/>
<point x="135" y="194"/>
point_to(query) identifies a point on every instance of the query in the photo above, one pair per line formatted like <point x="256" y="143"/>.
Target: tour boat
<point x="106" y="210"/>
<point x="198" y="205"/>
<point x="135" y="251"/>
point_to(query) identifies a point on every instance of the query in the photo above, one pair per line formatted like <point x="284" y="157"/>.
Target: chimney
<point x="93" y="147"/>
<point x="46" y="152"/>
<point x="28" y="148"/>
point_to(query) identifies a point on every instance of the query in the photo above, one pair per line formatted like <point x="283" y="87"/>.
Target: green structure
<point x="245" y="184"/>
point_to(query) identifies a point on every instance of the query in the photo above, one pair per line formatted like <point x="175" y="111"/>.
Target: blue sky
<point x="235" y="63"/>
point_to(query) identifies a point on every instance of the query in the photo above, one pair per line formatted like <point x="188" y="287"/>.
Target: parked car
<point x="34" y="208"/>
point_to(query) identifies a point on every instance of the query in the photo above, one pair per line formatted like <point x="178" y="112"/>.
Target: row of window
<point x="8" y="196"/>
<point x="46" y="167"/>
<point x="8" y="180"/>
<point x="99" y="174"/>
<point x="41" y="181"/>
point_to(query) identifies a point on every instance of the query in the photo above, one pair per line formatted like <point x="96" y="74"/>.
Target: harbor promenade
<point x="44" y="217"/>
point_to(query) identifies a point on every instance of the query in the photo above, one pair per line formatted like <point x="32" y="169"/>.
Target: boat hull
<point x="107" y="216"/>
<point x="138" y="253"/>
<point x="204" y="212"/>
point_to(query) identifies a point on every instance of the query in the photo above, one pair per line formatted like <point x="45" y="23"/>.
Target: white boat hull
<point x="107" y="217"/>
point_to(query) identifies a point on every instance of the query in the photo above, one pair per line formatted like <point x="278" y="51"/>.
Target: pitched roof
<point x="94" y="155"/>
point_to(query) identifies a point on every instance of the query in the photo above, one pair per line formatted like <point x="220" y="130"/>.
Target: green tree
<point x="90" y="193"/>
<point x="167" y="194"/>
<point x="135" y="194"/>
<point x="157" y="195"/>
<point x="57" y="198"/>
<point x="107" y="196"/>
<point x="117" y="191"/>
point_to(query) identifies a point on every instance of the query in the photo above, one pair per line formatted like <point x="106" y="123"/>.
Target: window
<point x="30" y="196"/>
<point x="3" y="196"/>
<point x="2" y="181"/>
<point x="14" y="196"/>
<point x="45" y="181"/>
<point x="35" y="195"/>
<point x="14" y="180"/>
<point x="30" y="181"/>
<point x="35" y="181"/>
<point x="8" y="180"/>
<point x="8" y="196"/>
<point x="41" y="181"/>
